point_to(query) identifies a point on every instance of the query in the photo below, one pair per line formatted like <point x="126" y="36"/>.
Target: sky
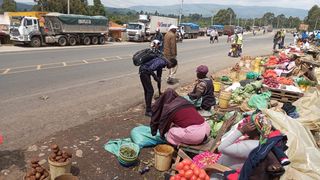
<point x="300" y="4"/>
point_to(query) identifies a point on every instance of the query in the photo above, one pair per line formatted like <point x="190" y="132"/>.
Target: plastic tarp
<point x="74" y="19"/>
<point x="302" y="152"/>
<point x="142" y="136"/>
<point x="260" y="101"/>
<point x="308" y="108"/>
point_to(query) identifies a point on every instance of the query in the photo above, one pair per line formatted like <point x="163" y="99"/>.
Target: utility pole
<point x="238" y="21"/>
<point x="315" y="26"/>
<point x="278" y="23"/>
<point x="230" y="18"/>
<point x="68" y="6"/>
<point x="180" y="14"/>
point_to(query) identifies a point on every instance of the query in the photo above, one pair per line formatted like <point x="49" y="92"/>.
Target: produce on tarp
<point x="205" y="159"/>
<point x="242" y="93"/>
<point x="58" y="155"/>
<point x="272" y="61"/>
<point x="271" y="82"/>
<point x="270" y="73"/>
<point x="37" y="172"/>
<point x="285" y="81"/>
<point x="188" y="170"/>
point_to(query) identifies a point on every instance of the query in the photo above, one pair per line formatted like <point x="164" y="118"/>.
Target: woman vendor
<point x="239" y="142"/>
<point x="178" y="120"/>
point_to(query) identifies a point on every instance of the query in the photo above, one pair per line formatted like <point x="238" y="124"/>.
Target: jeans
<point x="148" y="89"/>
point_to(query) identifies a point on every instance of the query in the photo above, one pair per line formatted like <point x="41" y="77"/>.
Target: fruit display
<point x="37" y="172"/>
<point x="285" y="81"/>
<point x="272" y="61"/>
<point x="271" y="82"/>
<point x="270" y="73"/>
<point x="58" y="155"/>
<point x="189" y="171"/>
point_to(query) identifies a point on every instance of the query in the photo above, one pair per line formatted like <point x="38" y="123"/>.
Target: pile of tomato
<point x="189" y="171"/>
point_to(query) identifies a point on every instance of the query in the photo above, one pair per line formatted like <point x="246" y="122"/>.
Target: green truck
<point x="61" y="29"/>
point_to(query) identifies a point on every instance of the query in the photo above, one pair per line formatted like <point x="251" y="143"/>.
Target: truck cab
<point x="24" y="28"/>
<point x="136" y="31"/>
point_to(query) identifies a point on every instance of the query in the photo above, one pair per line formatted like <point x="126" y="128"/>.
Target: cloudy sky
<point x="301" y="4"/>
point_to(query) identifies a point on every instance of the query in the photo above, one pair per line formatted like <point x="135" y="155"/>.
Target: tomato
<point x="172" y="178"/>
<point x="180" y="166"/>
<point x="181" y="172"/>
<point x="186" y="162"/>
<point x="177" y="177"/>
<point x="207" y="178"/>
<point x="196" y="171"/>
<point x="192" y="166"/>
<point x="202" y="174"/>
<point x="186" y="167"/>
<point x="183" y="178"/>
<point x="193" y="177"/>
<point x="188" y="174"/>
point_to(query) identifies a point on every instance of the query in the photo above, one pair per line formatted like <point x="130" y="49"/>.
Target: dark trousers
<point x="145" y="79"/>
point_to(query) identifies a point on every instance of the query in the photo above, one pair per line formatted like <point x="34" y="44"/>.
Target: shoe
<point x="170" y="81"/>
<point x="148" y="113"/>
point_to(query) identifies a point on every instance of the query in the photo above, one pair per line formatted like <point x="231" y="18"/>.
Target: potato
<point x="55" y="150"/>
<point x="39" y="169"/>
<point x="54" y="146"/>
<point x="42" y="177"/>
<point x="35" y="165"/>
<point x="29" y="173"/>
<point x="58" y="158"/>
<point x="32" y="177"/>
<point x="62" y="160"/>
<point x="45" y="173"/>
<point x="38" y="175"/>
<point x="34" y="161"/>
<point x="34" y="171"/>
<point x="65" y="155"/>
<point x="59" y="153"/>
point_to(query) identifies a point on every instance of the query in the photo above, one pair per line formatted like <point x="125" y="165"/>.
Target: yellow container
<point x="163" y="157"/>
<point x="216" y="86"/>
<point x="57" y="169"/>
<point x="224" y="99"/>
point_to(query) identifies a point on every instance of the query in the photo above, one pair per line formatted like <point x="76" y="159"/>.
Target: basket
<point x="126" y="160"/>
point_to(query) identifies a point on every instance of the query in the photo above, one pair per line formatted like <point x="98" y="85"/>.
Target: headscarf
<point x="263" y="125"/>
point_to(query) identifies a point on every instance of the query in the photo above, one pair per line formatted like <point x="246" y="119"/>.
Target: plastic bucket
<point x="217" y="86"/>
<point x="58" y="169"/>
<point x="66" y="177"/>
<point x="163" y="157"/>
<point x="224" y="99"/>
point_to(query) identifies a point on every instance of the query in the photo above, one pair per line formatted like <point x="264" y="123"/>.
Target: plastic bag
<point x="113" y="146"/>
<point x="142" y="136"/>
<point x="260" y="101"/>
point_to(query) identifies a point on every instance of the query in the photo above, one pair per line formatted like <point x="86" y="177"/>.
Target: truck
<point x="146" y="27"/>
<point x="190" y="30"/>
<point x="61" y="29"/>
<point x="4" y="28"/>
<point x="229" y="29"/>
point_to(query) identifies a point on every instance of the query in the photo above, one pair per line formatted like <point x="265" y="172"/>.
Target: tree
<point x="268" y="18"/>
<point x="97" y="8"/>
<point x="224" y="16"/>
<point x="313" y="17"/>
<point x="76" y="6"/>
<point x="8" y="5"/>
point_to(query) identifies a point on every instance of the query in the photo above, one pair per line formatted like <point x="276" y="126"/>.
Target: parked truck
<point x="4" y="28"/>
<point x="61" y="29"/>
<point x="146" y="27"/>
<point x="190" y="30"/>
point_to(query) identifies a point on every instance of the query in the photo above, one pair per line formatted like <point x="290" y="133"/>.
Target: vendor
<point x="237" y="144"/>
<point x="178" y="120"/>
<point x="286" y="68"/>
<point x="306" y="45"/>
<point x="202" y="93"/>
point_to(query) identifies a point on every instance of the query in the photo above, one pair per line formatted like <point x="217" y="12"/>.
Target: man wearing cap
<point x="158" y="36"/>
<point x="170" y="50"/>
<point x="203" y="90"/>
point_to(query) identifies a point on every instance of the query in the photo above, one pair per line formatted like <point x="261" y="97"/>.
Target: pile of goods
<point x="206" y="159"/>
<point x="272" y="61"/>
<point x="37" y="172"/>
<point x="270" y="73"/>
<point x="188" y="170"/>
<point x="242" y="93"/>
<point x="58" y="155"/>
<point x="285" y="81"/>
<point x="271" y="82"/>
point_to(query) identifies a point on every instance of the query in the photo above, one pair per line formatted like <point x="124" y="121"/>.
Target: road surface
<point x="46" y="91"/>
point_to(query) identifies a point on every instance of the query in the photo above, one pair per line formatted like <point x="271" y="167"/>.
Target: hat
<point x="202" y="69"/>
<point x="173" y="27"/>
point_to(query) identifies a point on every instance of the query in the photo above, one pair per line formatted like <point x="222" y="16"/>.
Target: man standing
<point x="158" y="36"/>
<point x="283" y="35"/>
<point x="170" y="50"/>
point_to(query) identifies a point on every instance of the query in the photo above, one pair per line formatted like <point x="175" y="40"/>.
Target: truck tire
<point x="94" y="40"/>
<point x="35" y="41"/>
<point x="62" y="41"/>
<point x="86" y="40"/>
<point x="72" y="41"/>
<point x="102" y="40"/>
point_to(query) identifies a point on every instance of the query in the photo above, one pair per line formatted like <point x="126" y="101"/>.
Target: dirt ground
<point x="86" y="142"/>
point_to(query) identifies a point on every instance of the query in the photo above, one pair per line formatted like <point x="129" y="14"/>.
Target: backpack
<point x="143" y="56"/>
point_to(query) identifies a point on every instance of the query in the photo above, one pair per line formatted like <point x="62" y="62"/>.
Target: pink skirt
<point x="191" y="135"/>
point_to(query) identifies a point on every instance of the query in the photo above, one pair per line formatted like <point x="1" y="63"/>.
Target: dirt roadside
<point x="86" y="143"/>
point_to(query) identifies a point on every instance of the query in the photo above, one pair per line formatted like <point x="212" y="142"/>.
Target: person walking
<point x="147" y="70"/>
<point x="213" y="36"/>
<point x="276" y="40"/>
<point x="170" y="51"/>
<point x="282" y="35"/>
<point x="229" y="37"/>
<point x="158" y="36"/>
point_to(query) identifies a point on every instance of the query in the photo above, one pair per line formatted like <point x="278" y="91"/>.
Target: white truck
<point x="61" y="29"/>
<point x="146" y="27"/>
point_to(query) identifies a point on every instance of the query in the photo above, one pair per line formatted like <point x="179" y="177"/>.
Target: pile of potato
<point x="37" y="172"/>
<point x="58" y="155"/>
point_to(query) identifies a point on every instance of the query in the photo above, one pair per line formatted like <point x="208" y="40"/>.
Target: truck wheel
<point x="72" y="41"/>
<point x="86" y="40"/>
<point x="102" y="40"/>
<point x="35" y="42"/>
<point x="94" y="40"/>
<point x="62" y="41"/>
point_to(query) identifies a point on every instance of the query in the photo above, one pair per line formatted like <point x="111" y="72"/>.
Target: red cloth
<point x="186" y="117"/>
<point x="1" y="139"/>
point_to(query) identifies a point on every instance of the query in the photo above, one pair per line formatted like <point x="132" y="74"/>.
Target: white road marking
<point x="64" y="63"/>
<point x="38" y="67"/>
<point x="118" y="57"/>
<point x="85" y="61"/>
<point x="104" y="59"/>
<point x="6" y="71"/>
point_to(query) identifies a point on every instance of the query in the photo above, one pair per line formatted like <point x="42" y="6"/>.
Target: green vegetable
<point x="215" y="128"/>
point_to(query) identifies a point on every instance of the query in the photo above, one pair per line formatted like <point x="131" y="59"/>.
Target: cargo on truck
<point x="61" y="29"/>
<point x="146" y="27"/>
<point x="219" y="28"/>
<point x="189" y="30"/>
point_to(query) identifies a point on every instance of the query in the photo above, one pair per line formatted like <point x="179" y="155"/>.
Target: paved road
<point x="49" y="90"/>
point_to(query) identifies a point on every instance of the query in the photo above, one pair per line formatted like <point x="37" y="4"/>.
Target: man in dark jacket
<point x="147" y="70"/>
<point x="158" y="36"/>
<point x="203" y="89"/>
